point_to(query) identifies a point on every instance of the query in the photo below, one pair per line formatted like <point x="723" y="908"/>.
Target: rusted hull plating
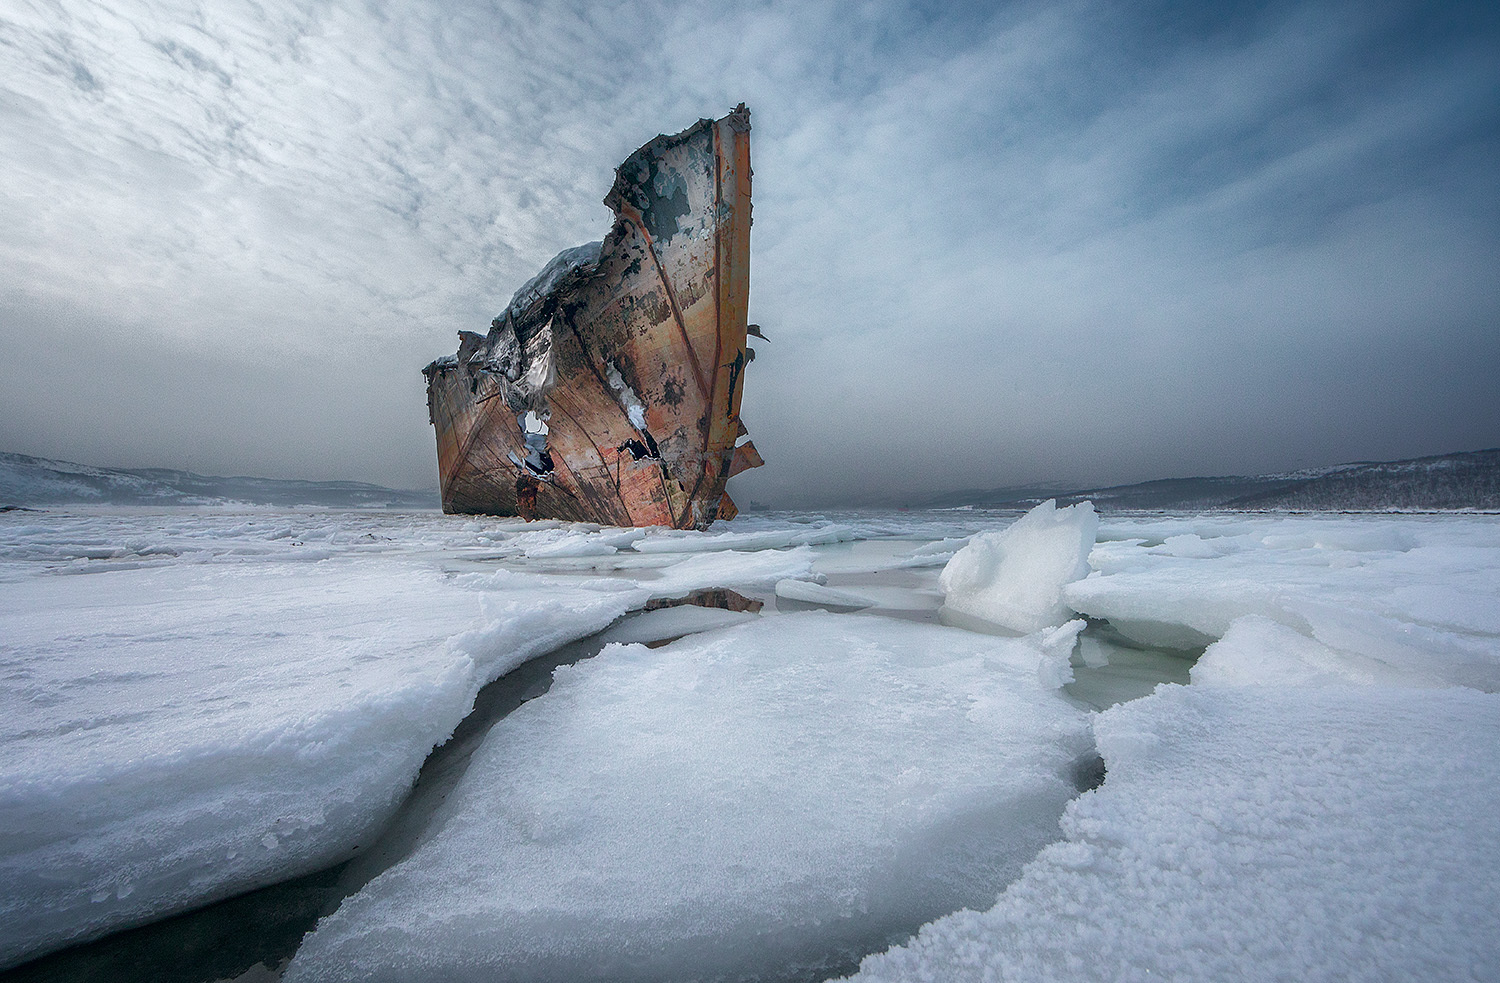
<point x="610" y="391"/>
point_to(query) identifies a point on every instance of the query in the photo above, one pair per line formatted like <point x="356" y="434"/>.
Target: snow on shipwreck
<point x="609" y="390"/>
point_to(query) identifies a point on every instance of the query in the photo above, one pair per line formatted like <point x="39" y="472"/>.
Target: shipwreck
<point x="609" y="389"/>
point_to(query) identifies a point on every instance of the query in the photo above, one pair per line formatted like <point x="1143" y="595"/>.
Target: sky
<point x="996" y="244"/>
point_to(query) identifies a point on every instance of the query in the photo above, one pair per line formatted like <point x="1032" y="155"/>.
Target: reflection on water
<point x="1110" y="669"/>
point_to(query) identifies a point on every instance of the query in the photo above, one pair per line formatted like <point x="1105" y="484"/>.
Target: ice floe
<point x="787" y="793"/>
<point x="172" y="735"/>
<point x="812" y="593"/>
<point x="1420" y="597"/>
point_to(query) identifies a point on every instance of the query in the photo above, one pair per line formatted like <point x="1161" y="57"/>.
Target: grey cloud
<point x="994" y="242"/>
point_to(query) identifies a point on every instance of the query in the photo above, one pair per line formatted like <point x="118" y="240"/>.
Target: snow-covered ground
<point x="197" y="703"/>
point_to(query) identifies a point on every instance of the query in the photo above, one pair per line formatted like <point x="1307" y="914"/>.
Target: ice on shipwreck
<point x="609" y="390"/>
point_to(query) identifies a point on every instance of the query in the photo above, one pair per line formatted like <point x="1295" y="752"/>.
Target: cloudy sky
<point x="1083" y="242"/>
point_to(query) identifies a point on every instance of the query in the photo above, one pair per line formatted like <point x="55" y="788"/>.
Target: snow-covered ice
<point x="198" y="705"/>
<point x="788" y="792"/>
<point x="180" y="733"/>
<point x="676" y="541"/>
<point x="199" y="702"/>
<point x="1315" y="806"/>
<point x="1257" y="833"/>
<point x="1419" y="595"/>
<point x="665" y="624"/>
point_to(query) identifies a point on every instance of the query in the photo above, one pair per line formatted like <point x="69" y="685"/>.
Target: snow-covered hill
<point x="34" y="481"/>
<point x="1469" y="480"/>
<point x="1465" y="480"/>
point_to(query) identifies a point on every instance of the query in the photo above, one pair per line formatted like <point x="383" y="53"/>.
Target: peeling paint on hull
<point x="609" y="391"/>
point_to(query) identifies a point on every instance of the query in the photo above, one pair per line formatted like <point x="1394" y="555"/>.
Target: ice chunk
<point x="1257" y="833"/>
<point x="731" y="569"/>
<point x="583" y="542"/>
<point x="171" y="736"/>
<point x="811" y="593"/>
<point x="775" y="797"/>
<point x="520" y="624"/>
<point x="674" y="622"/>
<point x="680" y="541"/>
<point x="1054" y="668"/>
<point x="1014" y="578"/>
<point x="943" y="547"/>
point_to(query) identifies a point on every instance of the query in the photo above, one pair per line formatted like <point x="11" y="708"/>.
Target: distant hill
<point x="35" y="481"/>
<point x="1466" y="480"/>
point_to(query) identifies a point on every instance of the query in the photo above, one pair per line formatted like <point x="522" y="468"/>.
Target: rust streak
<point x="666" y="285"/>
<point x="603" y="463"/>
<point x="463" y="452"/>
<point x="604" y="383"/>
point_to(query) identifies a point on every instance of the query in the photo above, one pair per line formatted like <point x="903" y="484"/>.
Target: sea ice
<point x="180" y="734"/>
<point x="788" y="793"/>
<point x="200" y="702"/>
<point x="1257" y="651"/>
<point x="583" y="542"/>
<point x="763" y="569"/>
<point x="1014" y="578"/>
<point x="689" y="541"/>
<point x="199" y="705"/>
<point x="1260" y="833"/>
<point x="1412" y="599"/>
<point x="665" y="624"/>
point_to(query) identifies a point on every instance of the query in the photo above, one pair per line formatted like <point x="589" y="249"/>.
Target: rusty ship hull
<point x="609" y="390"/>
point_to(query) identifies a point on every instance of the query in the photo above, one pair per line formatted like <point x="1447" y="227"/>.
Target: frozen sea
<point x="259" y="744"/>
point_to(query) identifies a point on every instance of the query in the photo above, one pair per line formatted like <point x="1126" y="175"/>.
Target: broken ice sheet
<point x="788" y="793"/>
<point x="1420" y="590"/>
<point x="1418" y="595"/>
<point x="1266" y="833"/>
<point x="211" y="706"/>
<point x="810" y="593"/>
<point x="172" y="736"/>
